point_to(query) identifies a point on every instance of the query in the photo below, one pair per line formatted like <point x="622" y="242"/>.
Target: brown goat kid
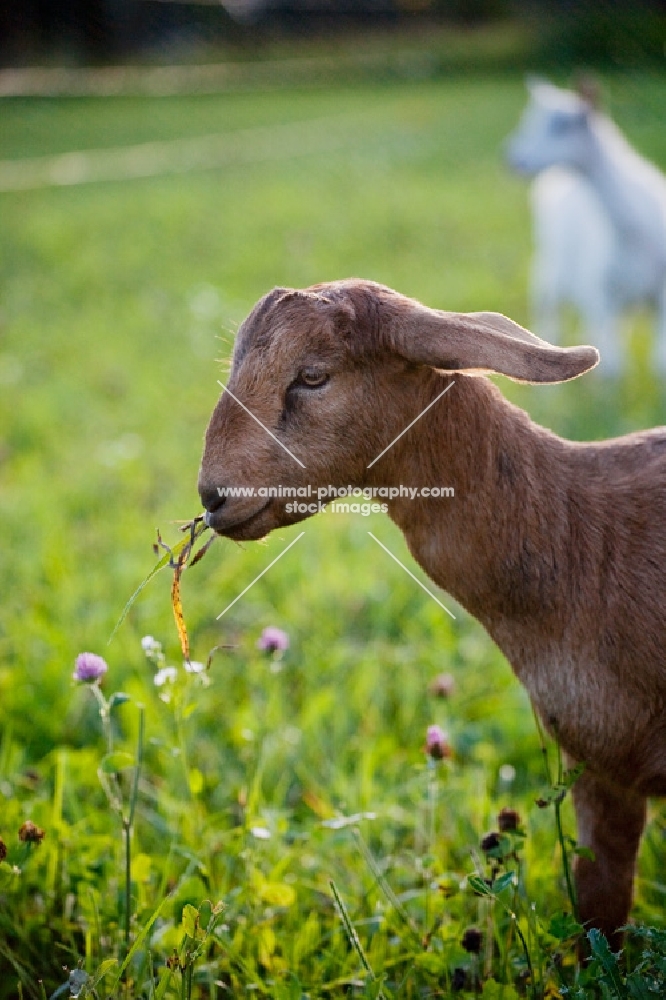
<point x="557" y="548"/>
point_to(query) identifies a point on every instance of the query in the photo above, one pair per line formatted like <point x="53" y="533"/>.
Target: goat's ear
<point x="533" y="81"/>
<point x="483" y="343"/>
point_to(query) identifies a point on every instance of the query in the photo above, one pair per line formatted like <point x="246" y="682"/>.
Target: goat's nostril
<point x="210" y="498"/>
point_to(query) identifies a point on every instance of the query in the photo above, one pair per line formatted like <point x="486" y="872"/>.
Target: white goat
<point x="557" y="548"/>
<point x="599" y="213"/>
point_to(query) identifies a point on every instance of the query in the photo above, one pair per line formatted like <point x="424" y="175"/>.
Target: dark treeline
<point x="99" y="31"/>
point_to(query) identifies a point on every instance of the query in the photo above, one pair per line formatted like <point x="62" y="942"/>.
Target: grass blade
<point x="164" y="561"/>
<point x="141" y="936"/>
<point x="353" y="937"/>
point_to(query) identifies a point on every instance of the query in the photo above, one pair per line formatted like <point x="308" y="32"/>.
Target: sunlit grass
<point x="118" y="299"/>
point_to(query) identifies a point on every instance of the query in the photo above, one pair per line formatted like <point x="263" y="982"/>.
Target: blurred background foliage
<point x="562" y="32"/>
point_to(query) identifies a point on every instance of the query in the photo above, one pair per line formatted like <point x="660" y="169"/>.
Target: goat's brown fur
<point x="557" y="548"/>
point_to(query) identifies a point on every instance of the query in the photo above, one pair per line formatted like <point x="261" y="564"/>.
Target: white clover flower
<point x="194" y="667"/>
<point x="164" y="676"/>
<point x="150" y="645"/>
<point x="260" y="832"/>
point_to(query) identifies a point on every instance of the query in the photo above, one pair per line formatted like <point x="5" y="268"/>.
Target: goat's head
<point x="554" y="131"/>
<point x="323" y="379"/>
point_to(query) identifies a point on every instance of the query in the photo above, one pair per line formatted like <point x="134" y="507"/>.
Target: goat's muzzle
<point x="211" y="498"/>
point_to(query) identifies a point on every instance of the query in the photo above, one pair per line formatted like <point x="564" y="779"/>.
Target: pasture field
<point x="262" y="780"/>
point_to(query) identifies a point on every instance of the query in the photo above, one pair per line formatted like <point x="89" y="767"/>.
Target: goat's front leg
<point x="546" y="304"/>
<point x="660" y="341"/>
<point x="610" y="823"/>
<point x="603" y="327"/>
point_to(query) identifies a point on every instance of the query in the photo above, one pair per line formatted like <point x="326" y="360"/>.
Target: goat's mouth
<point x="241" y="531"/>
<point x="273" y="514"/>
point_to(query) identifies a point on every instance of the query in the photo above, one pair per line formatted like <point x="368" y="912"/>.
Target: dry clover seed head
<point x="508" y="820"/>
<point x="490" y="841"/>
<point x="30" y="833"/>
<point x="471" y="940"/>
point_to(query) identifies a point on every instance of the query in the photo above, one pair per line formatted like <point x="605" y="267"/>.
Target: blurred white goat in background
<point x="599" y="211"/>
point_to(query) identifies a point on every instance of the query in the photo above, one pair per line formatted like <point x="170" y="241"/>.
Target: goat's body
<point x="548" y="545"/>
<point x="600" y="221"/>
<point x="573" y="251"/>
<point x="558" y="549"/>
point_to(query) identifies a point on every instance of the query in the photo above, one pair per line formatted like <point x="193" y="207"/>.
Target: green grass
<point x="117" y="301"/>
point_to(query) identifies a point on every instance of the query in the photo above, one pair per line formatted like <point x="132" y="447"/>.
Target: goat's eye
<point x="560" y="124"/>
<point x="311" y="378"/>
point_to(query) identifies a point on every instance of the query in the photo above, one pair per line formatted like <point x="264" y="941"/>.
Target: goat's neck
<point x="619" y="175"/>
<point x="492" y="546"/>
